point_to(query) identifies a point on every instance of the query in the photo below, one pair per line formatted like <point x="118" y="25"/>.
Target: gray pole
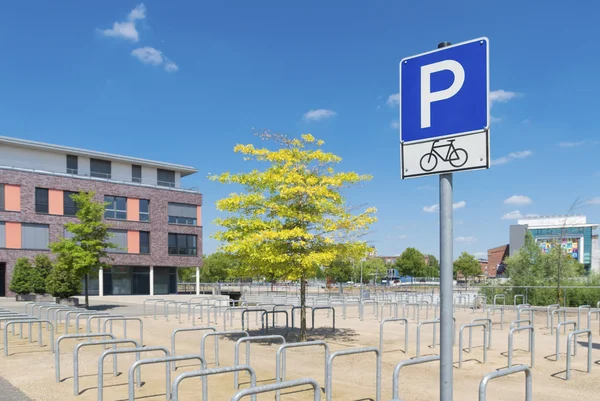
<point x="446" y="288"/>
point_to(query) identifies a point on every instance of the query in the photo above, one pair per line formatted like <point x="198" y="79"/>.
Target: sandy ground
<point x="31" y="368"/>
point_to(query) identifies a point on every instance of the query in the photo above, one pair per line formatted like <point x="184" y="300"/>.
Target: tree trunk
<point x="302" y="308"/>
<point x="87" y="295"/>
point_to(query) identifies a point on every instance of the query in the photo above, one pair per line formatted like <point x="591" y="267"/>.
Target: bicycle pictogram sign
<point x="457" y="157"/>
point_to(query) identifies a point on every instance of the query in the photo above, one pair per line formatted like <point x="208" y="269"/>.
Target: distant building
<point x="573" y="233"/>
<point x="483" y="264"/>
<point x="496" y="257"/>
<point x="388" y="260"/>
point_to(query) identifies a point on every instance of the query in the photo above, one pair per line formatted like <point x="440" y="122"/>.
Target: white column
<point x="101" y="282"/>
<point x="197" y="280"/>
<point x="151" y="281"/>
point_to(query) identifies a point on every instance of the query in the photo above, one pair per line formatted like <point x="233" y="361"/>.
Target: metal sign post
<point x="444" y="127"/>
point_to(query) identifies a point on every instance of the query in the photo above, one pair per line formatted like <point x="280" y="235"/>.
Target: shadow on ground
<point x="312" y="335"/>
<point x="100" y="308"/>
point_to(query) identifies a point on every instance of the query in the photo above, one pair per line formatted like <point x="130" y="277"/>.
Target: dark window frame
<point x="144" y="248"/>
<point x="70" y="168"/>
<point x="2" y="192"/>
<point x="69" y="205"/>
<point x="183" y="245"/>
<point x="144" y="216"/>
<point x="136" y="173"/>
<point x="111" y="211"/>
<point x="98" y="173"/>
<point x="162" y="180"/>
<point x="42" y="207"/>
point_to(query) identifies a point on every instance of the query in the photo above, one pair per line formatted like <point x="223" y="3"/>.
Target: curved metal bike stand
<point x="347" y="302"/>
<point x="211" y="372"/>
<point x="415" y="361"/>
<point x="362" y="308"/>
<point x="90" y="344"/>
<point x="558" y="312"/>
<point x="502" y="297"/>
<point x="530" y="311"/>
<point x="521" y="297"/>
<point x="285" y="307"/>
<point x="548" y="312"/>
<point x="248" y="340"/>
<point x="31" y="322"/>
<point x="163" y="302"/>
<point x="265" y="318"/>
<point x="571" y="339"/>
<point x="280" y="359"/>
<point x="579" y="309"/>
<point x="460" y="341"/>
<point x="565" y="324"/>
<point x="252" y="391"/>
<point x="531" y="349"/>
<point x="247" y="311"/>
<point x="329" y="382"/>
<point x="174" y="334"/>
<point x="323" y="308"/>
<point x="71" y="336"/>
<point x="506" y="372"/>
<point x="432" y="322"/>
<point x="112" y="319"/>
<point x="150" y="300"/>
<point x="68" y="318"/>
<point x="231" y="310"/>
<point x="216" y="309"/>
<point x="457" y="305"/>
<point x="216" y="334"/>
<point x="489" y="330"/>
<point x="494" y="309"/>
<point x="167" y="360"/>
<point x="295" y="308"/>
<point x="80" y="315"/>
<point x="389" y="320"/>
<point x="389" y="304"/>
<point x="59" y="317"/>
<point x="114" y="353"/>
<point x="416" y="311"/>
<point x="100" y="317"/>
<point x="15" y="317"/>
<point x="594" y="312"/>
<point x="483" y="304"/>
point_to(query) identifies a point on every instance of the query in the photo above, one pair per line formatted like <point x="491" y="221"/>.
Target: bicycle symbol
<point x="457" y="157"/>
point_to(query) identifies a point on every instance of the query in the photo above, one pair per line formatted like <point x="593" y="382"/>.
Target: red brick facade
<point x="157" y="226"/>
<point x="495" y="257"/>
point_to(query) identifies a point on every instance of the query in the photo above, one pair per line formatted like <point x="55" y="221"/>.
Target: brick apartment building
<point x="156" y="223"/>
<point x="496" y="257"/>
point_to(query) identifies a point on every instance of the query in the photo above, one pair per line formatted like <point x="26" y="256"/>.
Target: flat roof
<point x="561" y="226"/>
<point x="24" y="143"/>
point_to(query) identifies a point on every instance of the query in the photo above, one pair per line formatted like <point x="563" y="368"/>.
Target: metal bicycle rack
<point x="530" y="313"/>
<point x="362" y="307"/>
<point x="460" y="341"/>
<point x="494" y="309"/>
<point x="295" y="308"/>
<point x="21" y="318"/>
<point x="506" y="372"/>
<point x="231" y="310"/>
<point x="211" y="372"/>
<point x="280" y="359"/>
<point x="252" y="391"/>
<point x="68" y="318"/>
<point x="432" y="322"/>
<point x="265" y="317"/>
<point x="558" y="312"/>
<point x="489" y="329"/>
<point x="579" y="309"/>
<point x="531" y="349"/>
<point x="30" y="322"/>
<point x="572" y="336"/>
<point x="112" y="319"/>
<point x="594" y="312"/>
<point x="564" y="324"/>
<point x="548" y="312"/>
<point x="389" y="304"/>
<point x="59" y="316"/>
<point x="457" y="305"/>
<point x="248" y="311"/>
<point x="80" y="315"/>
<point x="498" y="297"/>
<point x="174" y="335"/>
<point x="98" y="317"/>
<point x="167" y="361"/>
<point x="398" y="319"/>
<point x="416" y="310"/>
<point x="151" y="300"/>
<point x="483" y="304"/>
<point x="32" y="304"/>
<point x="329" y="382"/>
<point x="285" y="307"/>
<point x="517" y="323"/>
<point x="216" y="334"/>
<point x="347" y="302"/>
<point x="328" y="308"/>
<point x="216" y="309"/>
<point x="409" y="362"/>
<point x="91" y="344"/>
<point x="72" y="336"/>
<point x="248" y="340"/>
<point x="521" y="297"/>
<point x="116" y="352"/>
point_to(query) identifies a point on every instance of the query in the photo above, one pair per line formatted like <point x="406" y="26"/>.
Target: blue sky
<point x="185" y="81"/>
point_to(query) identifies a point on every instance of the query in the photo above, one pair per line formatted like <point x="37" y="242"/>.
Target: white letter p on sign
<point x="427" y="97"/>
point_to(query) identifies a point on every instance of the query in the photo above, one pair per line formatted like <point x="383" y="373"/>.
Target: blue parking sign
<point x="444" y="93"/>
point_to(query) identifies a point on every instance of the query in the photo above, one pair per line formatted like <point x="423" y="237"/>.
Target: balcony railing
<point x="96" y="176"/>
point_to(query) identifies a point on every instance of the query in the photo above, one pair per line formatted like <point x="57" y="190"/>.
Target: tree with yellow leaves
<point x="291" y="217"/>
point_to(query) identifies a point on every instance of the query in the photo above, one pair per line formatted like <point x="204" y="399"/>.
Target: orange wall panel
<point x="133" y="241"/>
<point x="13" y="235"/>
<point x="12" y="199"/>
<point x="55" y="202"/>
<point x="133" y="209"/>
<point x="199" y="216"/>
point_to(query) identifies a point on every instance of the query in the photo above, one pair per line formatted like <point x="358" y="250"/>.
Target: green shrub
<point x="43" y="267"/>
<point x="62" y="282"/>
<point x="21" y="282"/>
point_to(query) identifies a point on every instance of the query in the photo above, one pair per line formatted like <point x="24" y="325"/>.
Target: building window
<point x="136" y="173"/>
<point x="180" y="213"/>
<point x="69" y="205"/>
<point x="183" y="244"/>
<point x="1" y="196"/>
<point x="34" y="236"/>
<point x="144" y="242"/>
<point x="2" y="235"/>
<point x="119" y="238"/>
<point x="41" y="200"/>
<point x="116" y="207"/>
<point x="144" y="210"/>
<point x="100" y="168"/>
<point x="72" y="165"/>
<point x="165" y="178"/>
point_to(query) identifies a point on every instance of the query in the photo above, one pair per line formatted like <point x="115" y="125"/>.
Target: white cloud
<point x="594" y="201"/>
<point x="319" y="114"/>
<point x="393" y="100"/>
<point x="514" y="215"/>
<point x="171" y="67"/>
<point x="501" y="96"/>
<point x="395" y="124"/>
<point x="434" y="208"/>
<point x="467" y="240"/>
<point x="518" y="200"/>
<point x="403" y="236"/>
<point x="148" y="55"/>
<point x="511" y="156"/>
<point x="127" y="29"/>
<point x="571" y="144"/>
